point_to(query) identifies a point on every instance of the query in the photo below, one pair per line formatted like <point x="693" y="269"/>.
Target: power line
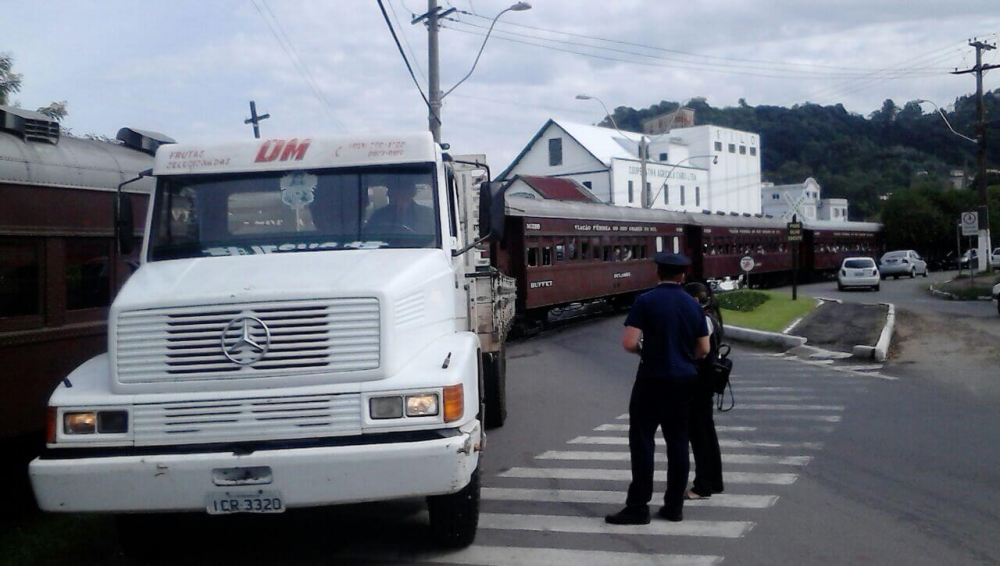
<point x="405" y="60"/>
<point x="407" y="41"/>
<point x="296" y="60"/>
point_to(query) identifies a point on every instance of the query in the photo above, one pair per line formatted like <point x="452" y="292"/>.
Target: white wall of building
<point x="577" y="163"/>
<point x="735" y="179"/>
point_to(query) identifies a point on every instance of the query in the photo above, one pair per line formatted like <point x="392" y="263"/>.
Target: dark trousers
<point x="705" y="444"/>
<point x="664" y="404"/>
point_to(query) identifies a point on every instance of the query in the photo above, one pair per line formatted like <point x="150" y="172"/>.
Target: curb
<point x="880" y="351"/>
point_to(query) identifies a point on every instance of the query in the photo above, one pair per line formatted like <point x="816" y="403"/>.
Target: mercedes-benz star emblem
<point x="239" y="344"/>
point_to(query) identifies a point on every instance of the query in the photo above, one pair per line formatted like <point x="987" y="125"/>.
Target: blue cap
<point x="672" y="260"/>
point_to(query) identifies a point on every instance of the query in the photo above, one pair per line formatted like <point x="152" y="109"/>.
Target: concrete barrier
<point x="762" y="337"/>
<point x="884" y="339"/>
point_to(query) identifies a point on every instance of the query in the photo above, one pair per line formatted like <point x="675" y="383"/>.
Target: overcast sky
<point x="188" y="69"/>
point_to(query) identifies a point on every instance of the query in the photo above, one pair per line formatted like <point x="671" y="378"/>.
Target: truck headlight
<point x="422" y="405"/>
<point x="415" y="405"/>
<point x="386" y="407"/>
<point x="91" y="422"/>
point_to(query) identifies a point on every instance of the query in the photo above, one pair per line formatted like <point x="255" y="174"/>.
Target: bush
<point x="743" y="301"/>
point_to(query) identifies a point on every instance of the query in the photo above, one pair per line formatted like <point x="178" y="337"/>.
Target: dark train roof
<point x="33" y="152"/>
<point x="733" y="220"/>
<point x="521" y="206"/>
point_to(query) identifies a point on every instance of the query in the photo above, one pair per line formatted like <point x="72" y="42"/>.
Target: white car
<point x="858" y="272"/>
<point x="902" y="262"/>
<point x="995" y="258"/>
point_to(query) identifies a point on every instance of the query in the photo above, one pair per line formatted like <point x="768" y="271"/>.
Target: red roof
<point x="559" y="189"/>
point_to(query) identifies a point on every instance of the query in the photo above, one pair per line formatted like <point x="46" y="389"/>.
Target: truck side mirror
<point x="491" y="209"/>
<point x="124" y="223"/>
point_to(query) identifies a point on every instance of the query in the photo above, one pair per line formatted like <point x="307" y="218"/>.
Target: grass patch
<point x="963" y="287"/>
<point x="773" y="315"/>
<point x="743" y="301"/>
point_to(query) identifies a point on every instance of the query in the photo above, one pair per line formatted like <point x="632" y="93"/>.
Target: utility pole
<point x="984" y="238"/>
<point x="433" y="70"/>
<point x="255" y="119"/>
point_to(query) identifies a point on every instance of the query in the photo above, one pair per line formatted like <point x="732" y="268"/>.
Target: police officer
<point x="668" y="331"/>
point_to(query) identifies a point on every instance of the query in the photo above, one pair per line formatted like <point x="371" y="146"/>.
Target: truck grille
<point x="296" y="337"/>
<point x="231" y="420"/>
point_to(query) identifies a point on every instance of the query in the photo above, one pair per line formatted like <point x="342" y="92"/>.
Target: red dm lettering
<point x="269" y="150"/>
<point x="294" y="149"/>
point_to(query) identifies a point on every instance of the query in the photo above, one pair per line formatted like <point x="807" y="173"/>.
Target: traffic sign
<point x="970" y="223"/>
<point x="794" y="231"/>
<point x="747" y="263"/>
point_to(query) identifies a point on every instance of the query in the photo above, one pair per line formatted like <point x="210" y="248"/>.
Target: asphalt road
<point x="955" y="343"/>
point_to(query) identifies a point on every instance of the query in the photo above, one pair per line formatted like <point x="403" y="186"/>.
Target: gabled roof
<point x="556" y="188"/>
<point x="604" y="144"/>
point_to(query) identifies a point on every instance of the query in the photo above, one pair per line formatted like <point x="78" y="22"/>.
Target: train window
<point x="659" y="244"/>
<point x="677" y="245"/>
<point x="88" y="274"/>
<point x="532" y="257"/>
<point x="546" y="255"/>
<point x="20" y="275"/>
<point x="595" y="248"/>
<point x="574" y="249"/>
<point x="584" y="249"/>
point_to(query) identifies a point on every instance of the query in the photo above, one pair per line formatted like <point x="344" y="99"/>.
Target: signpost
<point x="970" y="227"/>
<point x="794" y="237"/>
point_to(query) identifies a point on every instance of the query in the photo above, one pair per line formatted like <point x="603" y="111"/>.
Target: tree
<point x="56" y="110"/>
<point x="10" y="82"/>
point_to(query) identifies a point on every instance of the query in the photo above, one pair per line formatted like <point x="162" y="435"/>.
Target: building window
<point x="732" y="148"/>
<point x="588" y="184"/>
<point x="555" y="152"/>
<point x="88" y="274"/>
<point x="753" y="151"/>
<point x="682" y="195"/>
<point x="649" y="195"/>
<point x="20" y="272"/>
<point x="631" y="197"/>
<point x="718" y="146"/>
<point x="666" y="194"/>
<point x="663" y="157"/>
<point x="743" y="150"/>
<point x="775" y="196"/>
<point x="697" y="196"/>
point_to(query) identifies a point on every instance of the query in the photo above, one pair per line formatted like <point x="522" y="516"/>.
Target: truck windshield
<point x="294" y="211"/>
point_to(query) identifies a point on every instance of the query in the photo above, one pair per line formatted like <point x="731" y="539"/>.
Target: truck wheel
<point x="455" y="517"/>
<point x="495" y="386"/>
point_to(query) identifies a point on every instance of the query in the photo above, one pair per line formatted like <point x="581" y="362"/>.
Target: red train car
<point x="720" y="241"/>
<point x="825" y="244"/>
<point x="568" y="252"/>
<point x="59" y="265"/>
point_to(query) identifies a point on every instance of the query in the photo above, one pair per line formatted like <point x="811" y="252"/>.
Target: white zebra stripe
<point x="725" y="443"/>
<point x="596" y="525"/>
<point x="626" y="475"/>
<point x="791" y="407"/>
<point x="617" y="497"/>
<point x="624" y="428"/>
<point x="496" y="555"/>
<point x="726" y="458"/>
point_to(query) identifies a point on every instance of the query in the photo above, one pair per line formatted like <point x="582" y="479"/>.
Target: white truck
<point x="311" y="324"/>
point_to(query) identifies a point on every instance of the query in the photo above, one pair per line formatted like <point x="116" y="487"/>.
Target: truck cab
<point x="307" y="326"/>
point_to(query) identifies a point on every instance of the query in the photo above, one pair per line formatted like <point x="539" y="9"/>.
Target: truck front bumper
<point x="304" y="477"/>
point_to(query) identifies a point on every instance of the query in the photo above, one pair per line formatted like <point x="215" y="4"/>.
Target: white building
<point x="803" y="200"/>
<point x="689" y="169"/>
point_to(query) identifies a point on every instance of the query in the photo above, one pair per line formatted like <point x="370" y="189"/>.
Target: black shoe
<point x="628" y="517"/>
<point x="675" y="515"/>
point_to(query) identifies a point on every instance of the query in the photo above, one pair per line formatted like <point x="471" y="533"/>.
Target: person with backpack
<point x="701" y="425"/>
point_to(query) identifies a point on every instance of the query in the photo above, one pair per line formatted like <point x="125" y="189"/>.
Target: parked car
<point x="858" y="272"/>
<point x="970" y="255"/>
<point x="943" y="262"/>
<point x="995" y="258"/>
<point x="902" y="262"/>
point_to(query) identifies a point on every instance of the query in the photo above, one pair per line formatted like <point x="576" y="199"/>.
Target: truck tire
<point x="495" y="387"/>
<point x="455" y="517"/>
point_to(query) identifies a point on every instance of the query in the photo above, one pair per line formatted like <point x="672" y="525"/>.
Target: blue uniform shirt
<point x="671" y="323"/>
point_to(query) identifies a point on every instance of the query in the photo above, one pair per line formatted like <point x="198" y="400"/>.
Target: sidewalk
<point x="840" y="329"/>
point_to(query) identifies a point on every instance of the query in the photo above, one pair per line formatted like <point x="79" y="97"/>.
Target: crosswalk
<point x="549" y="510"/>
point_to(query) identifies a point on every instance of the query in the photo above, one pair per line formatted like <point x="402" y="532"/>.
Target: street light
<point x="435" y="96"/>
<point x="643" y="149"/>
<point x="945" y="118"/>
<point x="715" y="160"/>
